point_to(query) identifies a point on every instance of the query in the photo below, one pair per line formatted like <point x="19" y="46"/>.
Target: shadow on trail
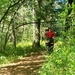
<point x="25" y="66"/>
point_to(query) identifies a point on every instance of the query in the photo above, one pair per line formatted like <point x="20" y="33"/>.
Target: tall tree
<point x="7" y="35"/>
<point x="38" y="22"/>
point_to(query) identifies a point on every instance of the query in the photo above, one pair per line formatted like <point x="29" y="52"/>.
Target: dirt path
<point x="25" y="66"/>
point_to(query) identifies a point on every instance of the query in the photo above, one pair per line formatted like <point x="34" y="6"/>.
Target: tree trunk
<point x="37" y="33"/>
<point x="37" y="30"/>
<point x="7" y="34"/>
<point x="14" y="35"/>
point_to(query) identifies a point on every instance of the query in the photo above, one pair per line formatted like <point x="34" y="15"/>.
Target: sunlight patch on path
<point x="25" y="66"/>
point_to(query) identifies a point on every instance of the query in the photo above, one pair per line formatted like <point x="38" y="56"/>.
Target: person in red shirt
<point x="50" y="38"/>
<point x="50" y="34"/>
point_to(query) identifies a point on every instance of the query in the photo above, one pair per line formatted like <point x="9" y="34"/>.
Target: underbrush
<point x="61" y="61"/>
<point x="12" y="54"/>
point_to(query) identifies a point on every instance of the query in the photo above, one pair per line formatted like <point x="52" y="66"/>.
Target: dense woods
<point x="22" y="30"/>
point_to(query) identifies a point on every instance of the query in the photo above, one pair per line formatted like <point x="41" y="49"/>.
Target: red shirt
<point x="50" y="34"/>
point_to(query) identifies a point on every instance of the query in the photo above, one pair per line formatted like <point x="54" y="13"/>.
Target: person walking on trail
<point x="50" y="39"/>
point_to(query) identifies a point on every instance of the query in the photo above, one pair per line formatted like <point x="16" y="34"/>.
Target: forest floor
<point x="25" y="66"/>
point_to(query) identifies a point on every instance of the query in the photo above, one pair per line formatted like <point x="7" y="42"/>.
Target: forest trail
<point x="25" y="66"/>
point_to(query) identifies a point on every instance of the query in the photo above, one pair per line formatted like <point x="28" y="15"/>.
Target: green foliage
<point x="19" y="14"/>
<point x="23" y="49"/>
<point x="61" y="61"/>
<point x="4" y="3"/>
<point x="3" y="59"/>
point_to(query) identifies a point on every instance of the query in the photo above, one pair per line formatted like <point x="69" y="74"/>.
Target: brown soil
<point x="25" y="66"/>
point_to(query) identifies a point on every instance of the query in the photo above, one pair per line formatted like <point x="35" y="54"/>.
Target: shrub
<point x="61" y="61"/>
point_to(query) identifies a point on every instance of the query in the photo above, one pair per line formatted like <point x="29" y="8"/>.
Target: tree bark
<point x="37" y="30"/>
<point x="14" y="35"/>
<point x="38" y="27"/>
